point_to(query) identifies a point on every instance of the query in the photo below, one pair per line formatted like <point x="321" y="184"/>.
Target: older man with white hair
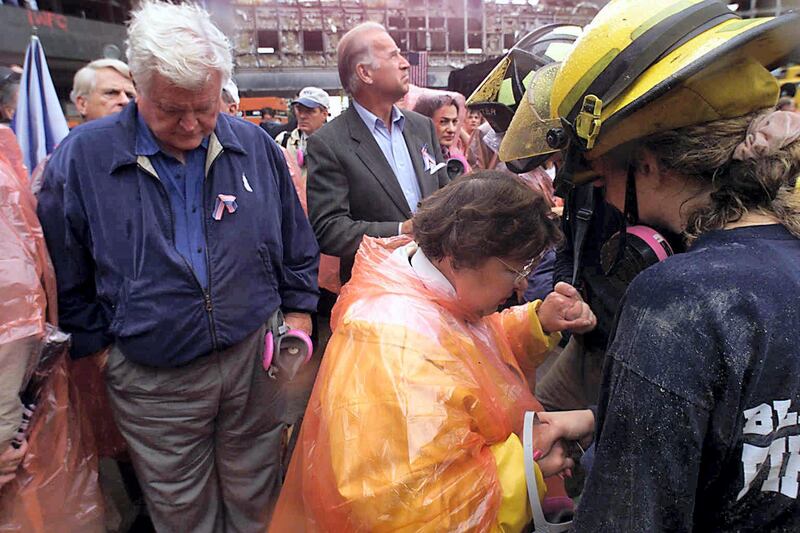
<point x="101" y="88"/>
<point x="184" y="236"/>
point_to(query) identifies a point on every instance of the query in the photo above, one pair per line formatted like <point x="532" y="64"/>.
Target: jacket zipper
<point x="206" y="293"/>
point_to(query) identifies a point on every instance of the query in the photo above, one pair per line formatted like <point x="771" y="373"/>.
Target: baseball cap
<point x="232" y="90"/>
<point x="312" y="97"/>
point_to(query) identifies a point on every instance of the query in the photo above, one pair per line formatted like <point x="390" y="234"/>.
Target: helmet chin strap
<point x="631" y="201"/>
<point x="631" y="214"/>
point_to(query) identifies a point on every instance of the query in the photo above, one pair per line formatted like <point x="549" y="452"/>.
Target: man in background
<point x="370" y="166"/>
<point x="311" y="109"/>
<point x="230" y="99"/>
<point x="101" y="88"/>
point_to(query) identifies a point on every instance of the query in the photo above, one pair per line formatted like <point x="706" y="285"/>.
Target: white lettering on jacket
<point x="781" y="458"/>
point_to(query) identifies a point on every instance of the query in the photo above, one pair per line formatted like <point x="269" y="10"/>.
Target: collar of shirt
<point x="146" y="143"/>
<point x="374" y="123"/>
<point x="427" y="272"/>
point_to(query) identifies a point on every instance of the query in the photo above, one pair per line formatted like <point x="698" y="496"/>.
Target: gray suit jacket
<point x="352" y="191"/>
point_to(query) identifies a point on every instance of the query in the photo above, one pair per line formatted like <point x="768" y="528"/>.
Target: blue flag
<point x="39" y="121"/>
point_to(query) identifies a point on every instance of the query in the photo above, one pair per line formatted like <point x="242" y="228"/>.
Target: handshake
<point x="555" y="437"/>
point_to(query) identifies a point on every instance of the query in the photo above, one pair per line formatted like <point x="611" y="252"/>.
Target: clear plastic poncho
<point x="411" y="395"/>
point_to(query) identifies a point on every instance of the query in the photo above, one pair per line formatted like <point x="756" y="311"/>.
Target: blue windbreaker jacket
<point x="109" y="229"/>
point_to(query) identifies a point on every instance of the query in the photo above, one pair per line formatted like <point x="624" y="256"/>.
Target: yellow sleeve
<point x="523" y="330"/>
<point x="515" y="512"/>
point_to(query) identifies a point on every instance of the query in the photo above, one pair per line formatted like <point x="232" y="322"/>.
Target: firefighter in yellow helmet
<point x="670" y="107"/>
<point x="500" y="93"/>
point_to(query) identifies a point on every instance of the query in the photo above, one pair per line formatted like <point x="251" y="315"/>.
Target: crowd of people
<point x="337" y="324"/>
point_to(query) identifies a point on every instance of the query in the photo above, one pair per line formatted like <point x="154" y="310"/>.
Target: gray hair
<point x="354" y="50"/>
<point x="428" y="104"/>
<point x="8" y="91"/>
<point x="178" y="42"/>
<point x="85" y="79"/>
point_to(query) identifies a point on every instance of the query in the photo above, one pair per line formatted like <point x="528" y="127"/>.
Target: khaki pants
<point x="573" y="381"/>
<point x="18" y="359"/>
<point x="204" y="438"/>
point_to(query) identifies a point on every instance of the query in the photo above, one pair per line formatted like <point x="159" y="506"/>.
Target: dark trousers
<point x="573" y="381"/>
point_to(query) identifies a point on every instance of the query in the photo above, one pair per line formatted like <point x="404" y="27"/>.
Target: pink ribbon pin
<point x="224" y="201"/>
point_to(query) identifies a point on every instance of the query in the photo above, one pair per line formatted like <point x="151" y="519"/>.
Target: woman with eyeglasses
<point x="415" y="417"/>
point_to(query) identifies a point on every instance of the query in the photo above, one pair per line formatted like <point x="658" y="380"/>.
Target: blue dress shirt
<point x="395" y="150"/>
<point x="184" y="186"/>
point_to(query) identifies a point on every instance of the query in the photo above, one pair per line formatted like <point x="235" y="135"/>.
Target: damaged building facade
<point x="285" y="44"/>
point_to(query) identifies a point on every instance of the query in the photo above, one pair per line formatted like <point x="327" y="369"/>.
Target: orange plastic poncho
<point x="26" y="273"/>
<point x="56" y="488"/>
<point x="411" y="395"/>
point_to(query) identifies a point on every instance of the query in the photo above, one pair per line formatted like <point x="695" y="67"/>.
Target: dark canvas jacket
<point x="698" y="424"/>
<point x="109" y="228"/>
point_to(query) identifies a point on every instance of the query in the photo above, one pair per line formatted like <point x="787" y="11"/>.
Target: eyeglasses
<point x="525" y="272"/>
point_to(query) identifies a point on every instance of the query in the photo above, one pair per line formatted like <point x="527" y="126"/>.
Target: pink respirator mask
<point x="285" y="350"/>
<point x="644" y="247"/>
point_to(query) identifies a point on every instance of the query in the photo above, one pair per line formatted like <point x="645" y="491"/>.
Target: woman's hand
<point x="9" y="462"/>
<point x="565" y="309"/>
<point x="568" y="425"/>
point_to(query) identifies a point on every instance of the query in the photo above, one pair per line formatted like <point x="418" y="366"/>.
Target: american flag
<point x="418" y="73"/>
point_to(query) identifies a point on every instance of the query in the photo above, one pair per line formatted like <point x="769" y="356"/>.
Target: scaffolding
<point x="454" y="33"/>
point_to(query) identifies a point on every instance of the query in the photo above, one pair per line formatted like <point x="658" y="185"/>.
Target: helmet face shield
<point x="500" y="93"/>
<point x="528" y="132"/>
<point x="497" y="115"/>
<point x="503" y="89"/>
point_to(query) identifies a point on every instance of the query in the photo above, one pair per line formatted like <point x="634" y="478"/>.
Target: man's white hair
<point x="178" y="42"/>
<point x="85" y="79"/>
<point x="354" y="50"/>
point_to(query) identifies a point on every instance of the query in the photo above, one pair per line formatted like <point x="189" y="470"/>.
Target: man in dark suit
<point x="369" y="167"/>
